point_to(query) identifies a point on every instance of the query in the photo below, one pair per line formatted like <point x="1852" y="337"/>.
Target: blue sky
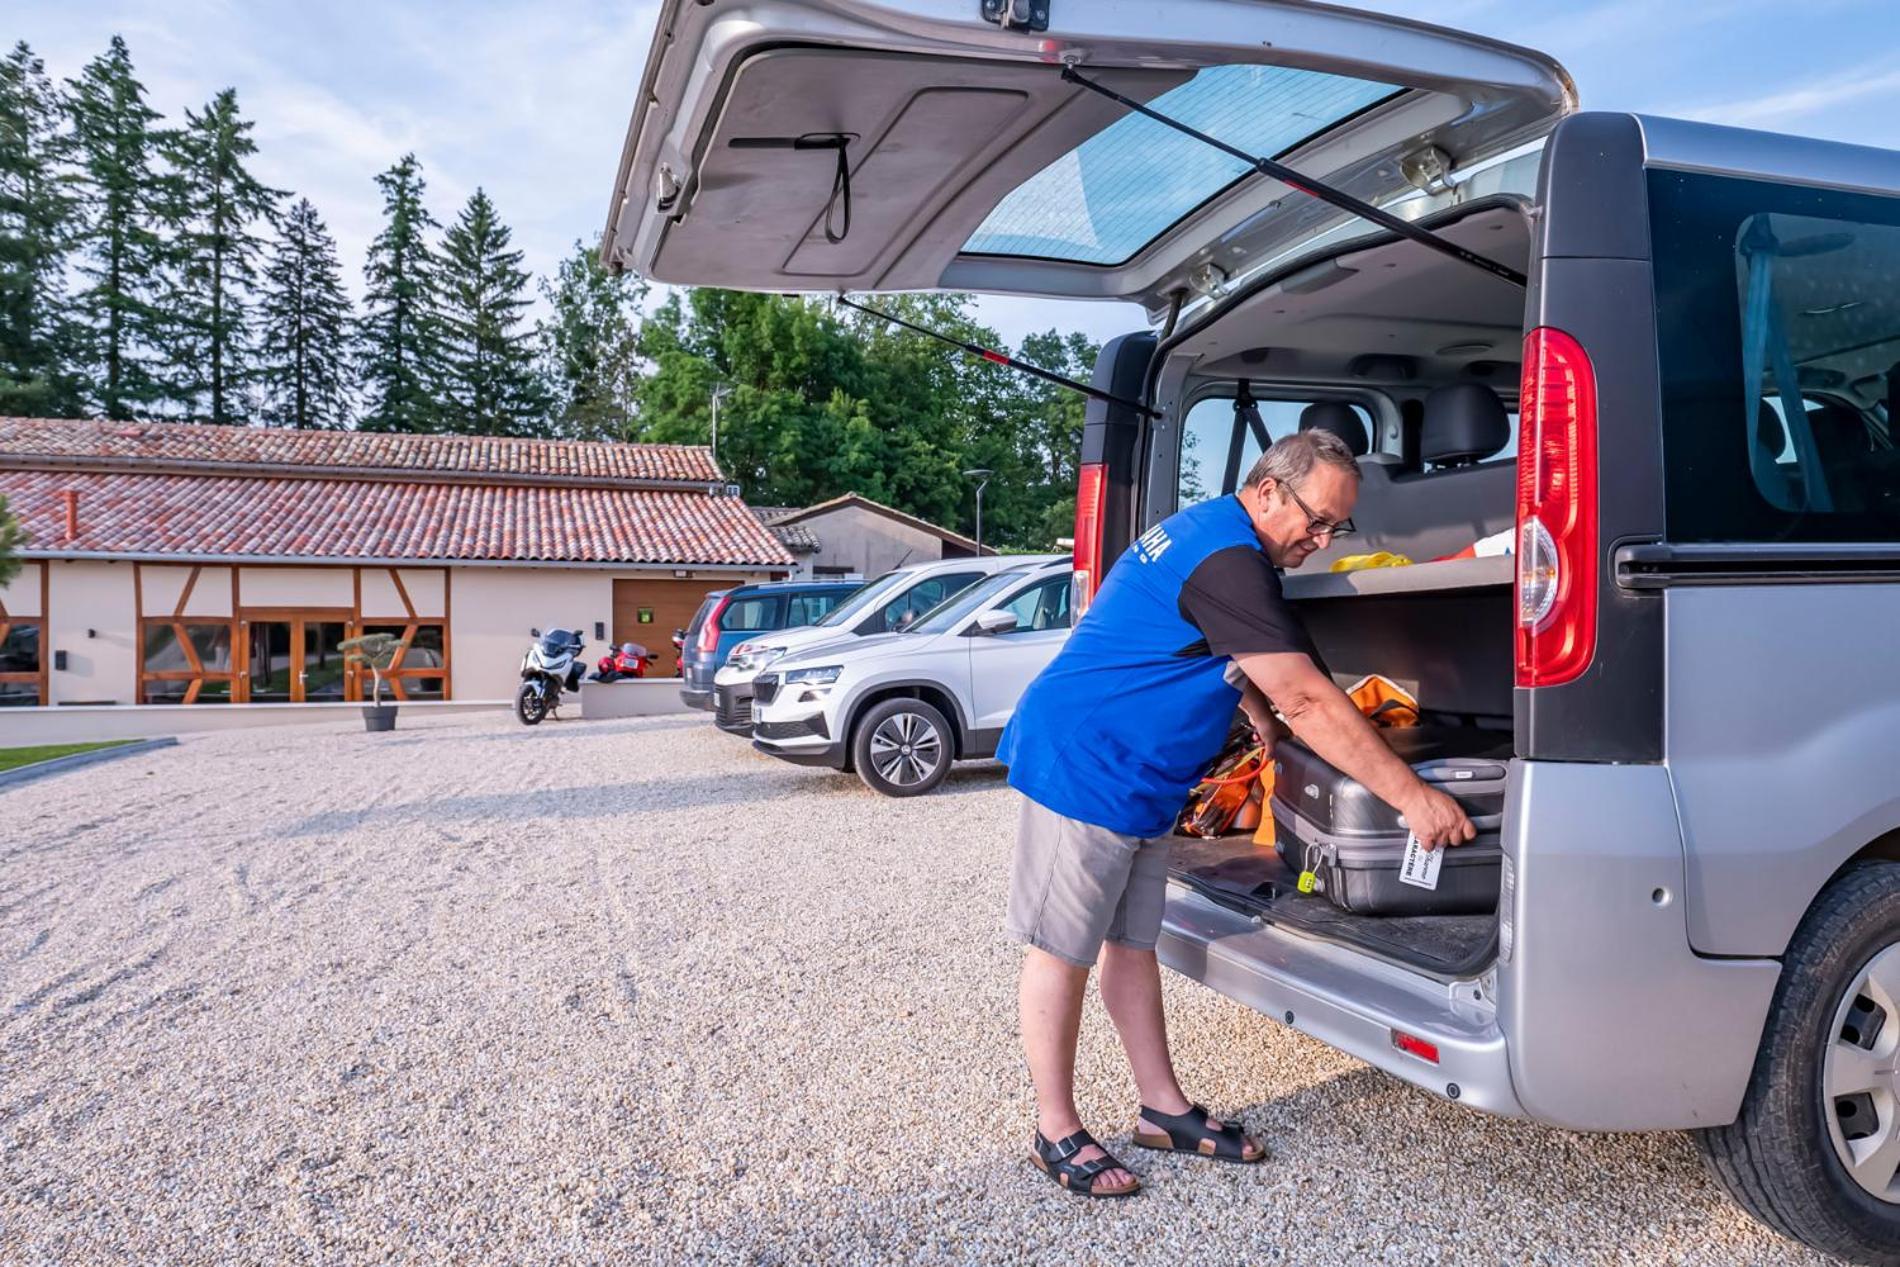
<point x="531" y="99"/>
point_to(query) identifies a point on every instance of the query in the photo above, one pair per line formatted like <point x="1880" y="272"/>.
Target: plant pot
<point x="379" y="717"/>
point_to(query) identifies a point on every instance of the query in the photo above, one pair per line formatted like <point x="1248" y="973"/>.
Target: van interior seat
<point x="1339" y="419"/>
<point x="1465" y="423"/>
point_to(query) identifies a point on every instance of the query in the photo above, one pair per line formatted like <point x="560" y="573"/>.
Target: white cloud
<point x="1815" y="97"/>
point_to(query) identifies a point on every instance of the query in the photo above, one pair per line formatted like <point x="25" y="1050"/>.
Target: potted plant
<point x="378" y="652"/>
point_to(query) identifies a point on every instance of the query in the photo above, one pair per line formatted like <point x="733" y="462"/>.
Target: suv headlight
<point x="823" y="676"/>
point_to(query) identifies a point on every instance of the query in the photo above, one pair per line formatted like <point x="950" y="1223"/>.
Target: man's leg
<point x="1050" y="1002"/>
<point x="1131" y="983"/>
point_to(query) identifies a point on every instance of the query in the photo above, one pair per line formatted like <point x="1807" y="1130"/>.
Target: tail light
<point x="1089" y="492"/>
<point x="709" y="632"/>
<point x="1556" y="511"/>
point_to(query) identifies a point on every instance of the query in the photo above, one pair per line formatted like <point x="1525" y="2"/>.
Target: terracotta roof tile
<point x="39" y="439"/>
<point x="123" y="512"/>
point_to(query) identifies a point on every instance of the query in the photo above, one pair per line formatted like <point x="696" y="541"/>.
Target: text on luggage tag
<point x="1420" y="867"/>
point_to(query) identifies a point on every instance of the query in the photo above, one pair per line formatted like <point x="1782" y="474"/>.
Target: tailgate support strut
<point x="1003" y="358"/>
<point x="1312" y="188"/>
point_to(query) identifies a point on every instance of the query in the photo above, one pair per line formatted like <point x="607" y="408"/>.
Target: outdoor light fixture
<point x="600" y="631"/>
<point x="681" y="573"/>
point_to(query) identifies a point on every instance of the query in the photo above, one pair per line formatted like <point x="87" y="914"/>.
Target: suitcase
<point x="1354" y="842"/>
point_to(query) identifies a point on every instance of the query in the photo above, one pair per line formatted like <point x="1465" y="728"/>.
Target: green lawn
<point x="12" y="758"/>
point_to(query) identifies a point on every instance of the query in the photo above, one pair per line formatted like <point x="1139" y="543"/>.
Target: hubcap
<point x="1859" y="1084"/>
<point x="905" y="749"/>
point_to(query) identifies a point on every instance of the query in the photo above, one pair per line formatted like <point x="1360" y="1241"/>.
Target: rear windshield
<point x="1106" y="199"/>
<point x="1779" y="333"/>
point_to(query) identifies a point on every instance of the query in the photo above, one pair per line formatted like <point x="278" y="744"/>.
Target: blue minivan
<point x="728" y="617"/>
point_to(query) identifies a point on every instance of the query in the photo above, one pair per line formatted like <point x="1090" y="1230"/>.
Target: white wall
<point x="97" y="596"/>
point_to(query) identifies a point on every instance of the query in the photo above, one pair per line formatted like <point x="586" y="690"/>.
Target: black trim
<point x="1659" y="565"/>
<point x="831" y="758"/>
<point x="702" y="700"/>
<point x="982" y="743"/>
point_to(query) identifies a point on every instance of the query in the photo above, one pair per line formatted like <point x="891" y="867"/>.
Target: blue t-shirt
<point x="1124" y="721"/>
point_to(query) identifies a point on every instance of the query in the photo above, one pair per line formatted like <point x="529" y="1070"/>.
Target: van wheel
<point x="902" y="747"/>
<point x="1815" y="1151"/>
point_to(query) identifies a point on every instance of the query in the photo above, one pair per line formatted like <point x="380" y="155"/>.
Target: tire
<point x="530" y="704"/>
<point x="1824" y="1082"/>
<point x="907" y="734"/>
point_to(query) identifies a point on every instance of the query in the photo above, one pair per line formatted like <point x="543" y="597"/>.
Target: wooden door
<point x="290" y="655"/>
<point x="648" y="611"/>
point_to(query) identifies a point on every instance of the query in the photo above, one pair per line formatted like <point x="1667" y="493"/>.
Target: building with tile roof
<point x="855" y="536"/>
<point x="172" y="562"/>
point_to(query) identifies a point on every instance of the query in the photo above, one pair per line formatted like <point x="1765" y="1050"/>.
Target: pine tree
<point x="304" y="317"/>
<point x="400" y="333"/>
<point x="590" y="345"/>
<point x="127" y="203"/>
<point x="489" y="378"/>
<point x="37" y="339"/>
<point x="221" y="207"/>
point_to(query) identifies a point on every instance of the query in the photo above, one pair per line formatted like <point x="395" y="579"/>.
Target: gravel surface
<point x="629" y="992"/>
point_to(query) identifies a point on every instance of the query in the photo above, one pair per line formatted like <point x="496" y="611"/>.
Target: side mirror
<point x="996" y="622"/>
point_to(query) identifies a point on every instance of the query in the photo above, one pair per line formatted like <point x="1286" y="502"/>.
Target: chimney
<point x="71" y="496"/>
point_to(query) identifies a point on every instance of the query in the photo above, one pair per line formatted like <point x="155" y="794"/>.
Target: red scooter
<point x="628" y="660"/>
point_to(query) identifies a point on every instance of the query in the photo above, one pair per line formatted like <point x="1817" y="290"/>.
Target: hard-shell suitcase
<point x="1354" y="842"/>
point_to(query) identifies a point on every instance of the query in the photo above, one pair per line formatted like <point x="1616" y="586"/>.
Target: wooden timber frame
<point x="357" y="680"/>
<point x="42" y="678"/>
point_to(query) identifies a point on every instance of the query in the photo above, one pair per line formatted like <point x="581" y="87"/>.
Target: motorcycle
<point x="630" y="660"/>
<point x="553" y="664"/>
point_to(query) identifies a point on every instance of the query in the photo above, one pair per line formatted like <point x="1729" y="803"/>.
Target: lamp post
<point x="718" y="393"/>
<point x="982" y="477"/>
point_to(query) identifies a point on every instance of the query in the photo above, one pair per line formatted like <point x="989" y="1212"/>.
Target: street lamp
<point x="718" y="392"/>
<point x="982" y="478"/>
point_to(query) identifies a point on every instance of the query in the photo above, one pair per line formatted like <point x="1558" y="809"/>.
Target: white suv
<point x="899" y="708"/>
<point x="888" y="604"/>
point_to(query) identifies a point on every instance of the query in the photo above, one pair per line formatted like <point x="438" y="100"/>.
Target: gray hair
<point x="1292" y="458"/>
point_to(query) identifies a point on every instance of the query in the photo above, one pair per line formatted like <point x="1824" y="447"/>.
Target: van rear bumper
<point x="1345" y="999"/>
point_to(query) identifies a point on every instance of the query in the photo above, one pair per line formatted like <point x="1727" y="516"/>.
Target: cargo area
<point x="1426" y="352"/>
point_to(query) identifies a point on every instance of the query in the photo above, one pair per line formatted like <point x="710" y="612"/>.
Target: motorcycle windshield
<point x="556" y="642"/>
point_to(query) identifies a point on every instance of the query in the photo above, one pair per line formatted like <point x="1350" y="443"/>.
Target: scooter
<point x="553" y="664"/>
<point x="630" y="660"/>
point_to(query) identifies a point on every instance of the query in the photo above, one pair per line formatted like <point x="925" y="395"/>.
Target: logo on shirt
<point x="1152" y="544"/>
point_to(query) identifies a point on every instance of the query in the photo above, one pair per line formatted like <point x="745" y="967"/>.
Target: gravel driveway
<point x="629" y="992"/>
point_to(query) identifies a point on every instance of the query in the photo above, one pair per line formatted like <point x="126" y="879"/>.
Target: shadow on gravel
<point x="580" y="804"/>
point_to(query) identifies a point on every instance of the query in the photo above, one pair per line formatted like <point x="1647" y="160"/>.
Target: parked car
<point x="888" y="604"/>
<point x="1698" y="923"/>
<point x="900" y="708"/>
<point x="728" y="617"/>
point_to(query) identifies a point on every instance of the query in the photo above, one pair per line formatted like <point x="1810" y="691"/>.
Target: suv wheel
<point x="902" y="747"/>
<point x="1816" y="1149"/>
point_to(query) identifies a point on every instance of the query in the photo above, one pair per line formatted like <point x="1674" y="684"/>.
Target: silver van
<point x="1658" y="361"/>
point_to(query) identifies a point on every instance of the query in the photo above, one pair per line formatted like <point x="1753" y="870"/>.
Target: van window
<point x="1780" y="430"/>
<point x="753" y="613"/>
<point x="812" y="607"/>
<point x="1207" y="441"/>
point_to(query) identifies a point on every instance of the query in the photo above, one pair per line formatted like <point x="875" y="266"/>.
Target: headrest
<point x="1464" y="423"/>
<point x="1769" y="433"/>
<point x="1340" y="419"/>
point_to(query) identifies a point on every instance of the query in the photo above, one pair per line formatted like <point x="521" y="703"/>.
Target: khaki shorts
<point x="1073" y="885"/>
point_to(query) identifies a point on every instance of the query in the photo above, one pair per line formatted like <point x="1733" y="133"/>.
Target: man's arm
<point x="1326" y="720"/>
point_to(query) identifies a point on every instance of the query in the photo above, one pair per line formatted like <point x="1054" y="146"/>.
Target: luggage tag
<point x="1420" y="867"/>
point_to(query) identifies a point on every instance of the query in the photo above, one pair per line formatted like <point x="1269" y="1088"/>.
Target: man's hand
<point x="1331" y="725"/>
<point x="1436" y="819"/>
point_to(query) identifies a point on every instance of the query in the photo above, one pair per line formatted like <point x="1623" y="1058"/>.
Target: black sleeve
<point x="1233" y="597"/>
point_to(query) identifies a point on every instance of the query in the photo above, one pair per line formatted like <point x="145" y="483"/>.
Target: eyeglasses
<point x="1317" y="527"/>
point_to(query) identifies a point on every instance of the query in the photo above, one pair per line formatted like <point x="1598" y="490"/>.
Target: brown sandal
<point x="1189" y="1133"/>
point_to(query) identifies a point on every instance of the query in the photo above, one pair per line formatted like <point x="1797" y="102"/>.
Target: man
<point x="1105" y="746"/>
